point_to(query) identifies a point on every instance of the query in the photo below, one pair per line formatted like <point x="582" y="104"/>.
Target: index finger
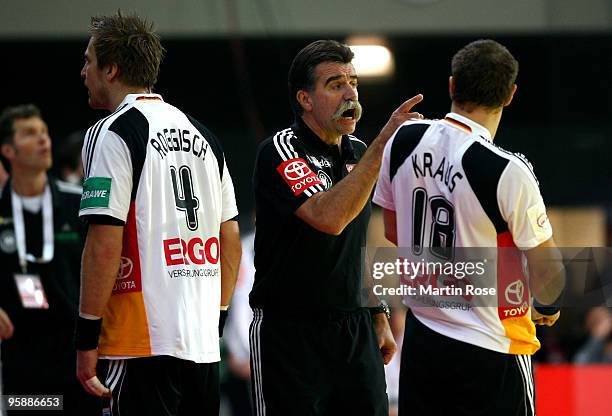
<point x="408" y="104"/>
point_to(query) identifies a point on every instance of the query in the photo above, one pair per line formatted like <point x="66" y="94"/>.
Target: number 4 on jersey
<point x="184" y="197"/>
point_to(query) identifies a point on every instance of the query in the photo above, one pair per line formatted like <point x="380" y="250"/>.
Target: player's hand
<point x="402" y="114"/>
<point x="386" y="342"/>
<point x="6" y="326"/>
<point x="239" y="368"/>
<point x="539" y="319"/>
<point x="86" y="373"/>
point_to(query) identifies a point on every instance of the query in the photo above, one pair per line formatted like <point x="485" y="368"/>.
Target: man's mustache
<point x="348" y="105"/>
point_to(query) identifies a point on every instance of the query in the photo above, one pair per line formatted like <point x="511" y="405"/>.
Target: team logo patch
<point x="325" y="180"/>
<point x="542" y="220"/>
<point x="8" y="244"/>
<point x="540" y="225"/>
<point x="96" y="193"/>
<point x="298" y="175"/>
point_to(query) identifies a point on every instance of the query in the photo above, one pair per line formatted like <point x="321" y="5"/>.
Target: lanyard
<point x="47" y="216"/>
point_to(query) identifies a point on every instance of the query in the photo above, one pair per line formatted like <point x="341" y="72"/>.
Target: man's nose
<point x="350" y="93"/>
<point x="44" y="137"/>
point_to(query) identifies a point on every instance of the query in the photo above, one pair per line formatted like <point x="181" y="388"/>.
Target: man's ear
<point x="8" y="151"/>
<point x="511" y="96"/>
<point x="451" y="87"/>
<point x="303" y="97"/>
<point x="111" y="72"/>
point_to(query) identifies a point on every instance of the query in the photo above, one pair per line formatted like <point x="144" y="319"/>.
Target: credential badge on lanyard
<point x="29" y="285"/>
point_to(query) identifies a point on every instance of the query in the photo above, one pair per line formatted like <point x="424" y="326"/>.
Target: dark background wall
<point x="560" y="118"/>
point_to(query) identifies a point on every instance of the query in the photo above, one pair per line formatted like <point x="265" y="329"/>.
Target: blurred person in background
<point x="236" y="335"/>
<point x="3" y="177"/>
<point x="68" y="161"/>
<point x="444" y="184"/>
<point x="6" y="331"/>
<point x="392" y="370"/>
<point x="40" y="251"/>
<point x="598" y="346"/>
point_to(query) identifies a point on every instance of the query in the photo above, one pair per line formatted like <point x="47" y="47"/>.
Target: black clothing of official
<point x="314" y="350"/>
<point x="40" y="357"/>
<point x="298" y="267"/>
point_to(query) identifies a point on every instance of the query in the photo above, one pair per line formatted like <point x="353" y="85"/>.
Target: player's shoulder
<point x="412" y="131"/>
<point x="206" y="132"/>
<point x="484" y="153"/>
<point x="102" y="125"/>
<point x="405" y="140"/>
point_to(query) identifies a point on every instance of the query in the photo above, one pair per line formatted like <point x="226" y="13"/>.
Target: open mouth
<point x="349" y="114"/>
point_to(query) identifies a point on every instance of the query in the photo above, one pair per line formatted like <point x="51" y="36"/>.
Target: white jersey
<point x="162" y="175"/>
<point x="450" y="186"/>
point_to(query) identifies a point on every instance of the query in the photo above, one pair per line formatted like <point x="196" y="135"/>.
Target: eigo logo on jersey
<point x="298" y="175"/>
<point x="178" y="251"/>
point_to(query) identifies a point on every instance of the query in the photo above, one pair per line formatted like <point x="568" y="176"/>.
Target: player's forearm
<point x="330" y="212"/>
<point x="546" y="272"/>
<point x="101" y="259"/>
<point x="231" y="251"/>
<point x="390" y="221"/>
<point x="548" y="284"/>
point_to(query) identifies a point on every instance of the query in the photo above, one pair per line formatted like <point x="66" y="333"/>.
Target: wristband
<point x="87" y="333"/>
<point x="545" y="310"/>
<point x="383" y="307"/>
<point x="548" y="310"/>
<point x="222" y="318"/>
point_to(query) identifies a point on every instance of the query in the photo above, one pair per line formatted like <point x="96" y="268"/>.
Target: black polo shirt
<point x="298" y="267"/>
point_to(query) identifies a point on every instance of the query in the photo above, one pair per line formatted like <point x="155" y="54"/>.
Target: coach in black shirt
<point x="315" y="348"/>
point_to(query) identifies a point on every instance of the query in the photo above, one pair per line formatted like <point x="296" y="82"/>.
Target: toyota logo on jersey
<point x="125" y="268"/>
<point x="515" y="292"/>
<point x="296" y="169"/>
<point x="298" y="175"/>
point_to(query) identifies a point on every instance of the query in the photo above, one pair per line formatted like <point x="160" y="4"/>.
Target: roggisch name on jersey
<point x="177" y="140"/>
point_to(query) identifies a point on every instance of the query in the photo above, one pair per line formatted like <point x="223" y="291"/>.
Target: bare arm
<point x="101" y="257"/>
<point x="231" y="251"/>
<point x="330" y="212"/>
<point x="6" y="326"/>
<point x="390" y="222"/>
<point x="546" y="272"/>
<point x="386" y="342"/>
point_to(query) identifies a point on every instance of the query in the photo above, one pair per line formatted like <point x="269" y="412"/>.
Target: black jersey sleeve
<point x="283" y="178"/>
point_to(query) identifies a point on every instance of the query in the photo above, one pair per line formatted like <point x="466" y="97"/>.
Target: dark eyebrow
<point x="335" y="77"/>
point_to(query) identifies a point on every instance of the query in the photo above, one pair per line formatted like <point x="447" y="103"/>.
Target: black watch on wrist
<point x="382" y="308"/>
